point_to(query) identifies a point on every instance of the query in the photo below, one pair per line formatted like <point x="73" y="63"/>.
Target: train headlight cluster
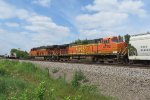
<point x="114" y="51"/>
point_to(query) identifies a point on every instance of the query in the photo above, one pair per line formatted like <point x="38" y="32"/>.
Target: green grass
<point x="26" y="81"/>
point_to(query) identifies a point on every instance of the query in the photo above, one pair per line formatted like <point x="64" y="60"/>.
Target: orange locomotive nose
<point x="111" y="45"/>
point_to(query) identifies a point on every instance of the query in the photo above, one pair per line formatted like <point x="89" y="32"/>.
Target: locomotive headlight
<point x="114" y="51"/>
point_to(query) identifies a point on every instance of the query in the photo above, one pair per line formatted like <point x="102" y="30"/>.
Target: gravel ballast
<point x="123" y="83"/>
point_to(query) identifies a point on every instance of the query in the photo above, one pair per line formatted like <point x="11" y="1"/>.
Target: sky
<point x="26" y="24"/>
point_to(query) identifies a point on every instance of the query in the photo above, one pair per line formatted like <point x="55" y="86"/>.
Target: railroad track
<point x="139" y="66"/>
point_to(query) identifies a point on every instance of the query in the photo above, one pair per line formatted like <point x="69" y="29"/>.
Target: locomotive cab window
<point x="117" y="39"/>
<point x="106" y="41"/>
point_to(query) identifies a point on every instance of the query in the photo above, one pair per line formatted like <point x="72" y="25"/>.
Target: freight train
<point x="110" y="49"/>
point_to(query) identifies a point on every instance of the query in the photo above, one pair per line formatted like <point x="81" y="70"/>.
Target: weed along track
<point x="121" y="82"/>
<point x="27" y="81"/>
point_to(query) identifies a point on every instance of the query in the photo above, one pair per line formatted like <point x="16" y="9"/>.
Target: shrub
<point x="88" y="88"/>
<point x="55" y="70"/>
<point x="64" y="78"/>
<point x="20" y="81"/>
<point x="80" y="75"/>
<point x="10" y="86"/>
<point x="2" y="86"/>
<point x="77" y="77"/>
<point x="26" y="67"/>
<point x="40" y="91"/>
<point x="74" y="81"/>
<point x="67" y="98"/>
<point x="13" y="98"/>
<point x="78" y="97"/>
<point x="2" y="71"/>
<point x="24" y="95"/>
<point x="51" y="94"/>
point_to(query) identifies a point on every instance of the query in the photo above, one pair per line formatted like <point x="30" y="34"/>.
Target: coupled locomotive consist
<point x="110" y="49"/>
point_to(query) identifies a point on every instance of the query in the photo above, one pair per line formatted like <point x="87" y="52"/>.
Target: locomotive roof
<point x="66" y="45"/>
<point x="142" y="34"/>
<point x="51" y="47"/>
<point x="88" y="42"/>
<point x="111" y="37"/>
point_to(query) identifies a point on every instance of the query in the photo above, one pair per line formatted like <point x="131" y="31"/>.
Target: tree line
<point x="19" y="53"/>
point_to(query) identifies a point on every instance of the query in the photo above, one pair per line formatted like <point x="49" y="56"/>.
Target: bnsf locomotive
<point x="109" y="49"/>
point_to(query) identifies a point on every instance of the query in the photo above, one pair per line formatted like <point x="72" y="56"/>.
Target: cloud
<point x="46" y="30"/>
<point x="36" y="30"/>
<point x="12" y="24"/>
<point x="6" y="10"/>
<point x="125" y="6"/>
<point x="101" y="20"/>
<point x="133" y="7"/>
<point x="9" y="11"/>
<point x="10" y="39"/>
<point x="102" y="5"/>
<point x="98" y="19"/>
<point x="108" y="15"/>
<point x="44" y="3"/>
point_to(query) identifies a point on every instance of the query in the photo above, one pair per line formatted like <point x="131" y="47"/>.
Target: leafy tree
<point x="131" y="48"/>
<point x="19" y="53"/>
<point x="78" y="41"/>
<point x="81" y="41"/>
<point x="120" y="38"/>
<point x="127" y="38"/>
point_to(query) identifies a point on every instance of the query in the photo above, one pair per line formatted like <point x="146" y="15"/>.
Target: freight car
<point x="110" y="49"/>
<point x="139" y="48"/>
